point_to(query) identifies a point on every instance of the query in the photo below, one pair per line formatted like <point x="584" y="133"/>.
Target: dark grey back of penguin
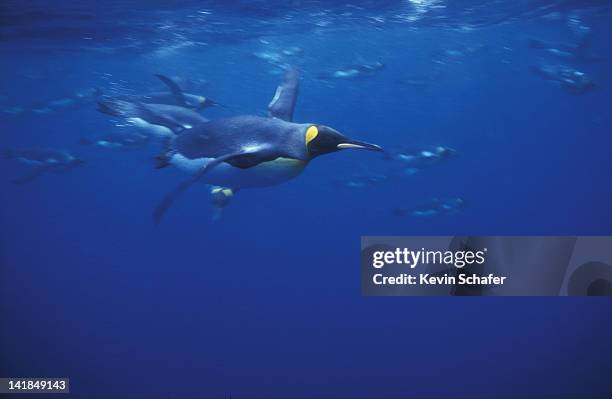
<point x="253" y="139"/>
<point x="172" y="115"/>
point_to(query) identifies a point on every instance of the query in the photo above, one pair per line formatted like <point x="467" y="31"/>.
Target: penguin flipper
<point x="174" y="89"/>
<point x="32" y="175"/>
<point x="283" y="103"/>
<point x="167" y="201"/>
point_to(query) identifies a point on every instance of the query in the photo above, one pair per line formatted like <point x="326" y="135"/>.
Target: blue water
<point x="266" y="302"/>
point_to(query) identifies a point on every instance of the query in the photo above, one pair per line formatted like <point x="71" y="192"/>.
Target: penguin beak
<point x="358" y="145"/>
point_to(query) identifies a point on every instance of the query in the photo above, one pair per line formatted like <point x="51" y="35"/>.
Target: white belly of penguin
<point x="155" y="131"/>
<point x="265" y="174"/>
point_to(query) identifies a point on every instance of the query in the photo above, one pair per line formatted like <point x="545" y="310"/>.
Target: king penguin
<point x="253" y="151"/>
<point x="43" y="160"/>
<point x="157" y="120"/>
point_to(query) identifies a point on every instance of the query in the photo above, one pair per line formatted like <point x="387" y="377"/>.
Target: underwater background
<point x="266" y="302"/>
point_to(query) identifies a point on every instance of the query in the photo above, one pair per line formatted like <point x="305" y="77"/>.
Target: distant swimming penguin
<point x="252" y="151"/>
<point x="573" y="80"/>
<point x="422" y="157"/>
<point x="435" y="206"/>
<point x="352" y="71"/>
<point x="176" y="96"/>
<point x="43" y="160"/>
<point x="158" y="120"/>
<point x="75" y="100"/>
<point x="117" y="140"/>
<point x="361" y="180"/>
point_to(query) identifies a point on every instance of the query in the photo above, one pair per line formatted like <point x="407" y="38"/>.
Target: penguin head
<point x="205" y="102"/>
<point x="201" y="103"/>
<point x="322" y="139"/>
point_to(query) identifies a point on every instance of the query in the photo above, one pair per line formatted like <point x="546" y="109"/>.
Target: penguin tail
<point x="162" y="160"/>
<point x="106" y="107"/>
<point x="116" y="107"/>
